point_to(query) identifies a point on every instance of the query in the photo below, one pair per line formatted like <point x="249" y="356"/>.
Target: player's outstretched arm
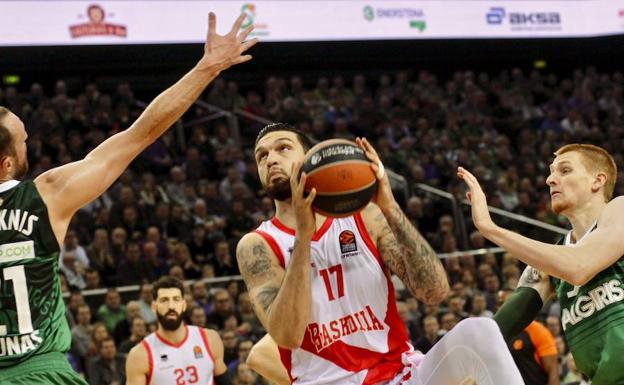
<point x="404" y="250"/>
<point x="137" y="366"/>
<point x="67" y="188"/>
<point x="576" y="265"/>
<point x="264" y="358"/>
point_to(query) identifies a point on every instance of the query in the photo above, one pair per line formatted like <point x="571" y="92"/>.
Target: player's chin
<point x="558" y="207"/>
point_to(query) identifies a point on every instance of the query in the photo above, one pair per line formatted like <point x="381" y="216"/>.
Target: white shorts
<point x="473" y="351"/>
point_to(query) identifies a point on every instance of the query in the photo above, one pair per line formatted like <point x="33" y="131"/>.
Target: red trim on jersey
<point x="274" y="246"/>
<point x="398" y="339"/>
<point x="277" y="223"/>
<point x="285" y="357"/>
<point x="150" y="361"/>
<point x="206" y="343"/>
<point x="359" y="222"/>
<point x="319" y="233"/>
<point x="164" y="341"/>
<point x="323" y="229"/>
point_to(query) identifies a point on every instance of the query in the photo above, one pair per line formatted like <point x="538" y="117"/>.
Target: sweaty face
<point x="569" y="181"/>
<point x="169" y="307"/>
<point x="275" y="155"/>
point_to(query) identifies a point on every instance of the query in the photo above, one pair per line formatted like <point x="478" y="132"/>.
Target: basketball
<point x="341" y="174"/>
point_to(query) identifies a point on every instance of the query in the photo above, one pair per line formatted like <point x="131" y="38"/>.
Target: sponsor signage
<point x="78" y="22"/>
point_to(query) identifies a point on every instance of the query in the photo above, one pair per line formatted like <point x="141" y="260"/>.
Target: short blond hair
<point x="595" y="159"/>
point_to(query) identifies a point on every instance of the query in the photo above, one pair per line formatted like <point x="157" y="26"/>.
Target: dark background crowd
<point x="185" y="202"/>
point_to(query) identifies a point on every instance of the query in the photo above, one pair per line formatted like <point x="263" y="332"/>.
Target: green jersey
<point x="592" y="317"/>
<point x="32" y="311"/>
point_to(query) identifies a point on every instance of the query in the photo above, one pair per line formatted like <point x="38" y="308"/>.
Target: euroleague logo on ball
<point x="316" y="158"/>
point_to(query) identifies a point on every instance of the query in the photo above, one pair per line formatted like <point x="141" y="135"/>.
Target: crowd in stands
<point x="184" y="203"/>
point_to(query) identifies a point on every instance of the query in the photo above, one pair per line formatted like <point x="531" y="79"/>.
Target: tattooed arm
<point x="282" y="298"/>
<point x="524" y="304"/>
<point x="538" y="281"/>
<point x="407" y="254"/>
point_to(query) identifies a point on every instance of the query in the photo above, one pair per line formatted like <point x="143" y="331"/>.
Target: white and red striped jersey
<point x="355" y="336"/>
<point x="187" y="363"/>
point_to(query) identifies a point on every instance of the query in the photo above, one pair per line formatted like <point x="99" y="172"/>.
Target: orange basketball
<point x="341" y="174"/>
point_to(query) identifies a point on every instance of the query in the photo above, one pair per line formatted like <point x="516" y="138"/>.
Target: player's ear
<point x="6" y="163"/>
<point x="599" y="181"/>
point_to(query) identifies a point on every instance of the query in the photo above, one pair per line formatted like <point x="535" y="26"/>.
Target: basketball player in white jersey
<point x="176" y="353"/>
<point x="321" y="286"/>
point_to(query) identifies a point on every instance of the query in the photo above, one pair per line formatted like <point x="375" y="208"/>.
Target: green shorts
<point x="43" y="369"/>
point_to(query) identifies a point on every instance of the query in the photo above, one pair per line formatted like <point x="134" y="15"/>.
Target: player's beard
<point x="168" y="323"/>
<point x="279" y="190"/>
<point x="20" y="169"/>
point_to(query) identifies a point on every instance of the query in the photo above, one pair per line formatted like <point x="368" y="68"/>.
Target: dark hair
<point x="6" y="140"/>
<point x="106" y="339"/>
<point x="305" y="142"/>
<point x="167" y="282"/>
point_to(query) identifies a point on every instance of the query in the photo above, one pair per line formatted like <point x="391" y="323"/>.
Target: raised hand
<point x="302" y="205"/>
<point x="480" y="214"/>
<point x="384" y="197"/>
<point x="225" y="51"/>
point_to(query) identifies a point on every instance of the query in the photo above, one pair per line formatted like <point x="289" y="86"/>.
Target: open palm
<point x="478" y="201"/>
<point x="227" y="50"/>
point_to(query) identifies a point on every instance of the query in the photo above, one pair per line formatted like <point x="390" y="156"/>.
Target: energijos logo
<point x="250" y="11"/>
<point x="417" y="15"/>
<point x="497" y="15"/>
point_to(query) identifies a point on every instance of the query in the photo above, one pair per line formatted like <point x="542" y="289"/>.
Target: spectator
<point x="101" y="256"/>
<point x="145" y="303"/>
<point x="133" y="270"/>
<point x="109" y="367"/>
<point x="223" y="307"/>
<point x="244" y="347"/>
<point x="479" y="307"/>
<point x="71" y="246"/>
<point x="201" y="297"/>
<point x="431" y="335"/>
<point x="225" y="265"/>
<point x="138" y="331"/>
<point x="82" y="332"/>
<point x="198" y="316"/>
<point x="123" y="329"/>
<point x="112" y="311"/>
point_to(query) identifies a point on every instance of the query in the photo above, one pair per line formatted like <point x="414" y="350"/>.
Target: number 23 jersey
<point x="355" y="335"/>
<point x="187" y="363"/>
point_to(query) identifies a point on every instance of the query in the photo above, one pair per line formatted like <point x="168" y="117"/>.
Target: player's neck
<point x="286" y="214"/>
<point x="174" y="337"/>
<point x="582" y="219"/>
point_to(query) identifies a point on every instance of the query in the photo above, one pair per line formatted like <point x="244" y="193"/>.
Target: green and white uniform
<point x="592" y="316"/>
<point x="33" y="328"/>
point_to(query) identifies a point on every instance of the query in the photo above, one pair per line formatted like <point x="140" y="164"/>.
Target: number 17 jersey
<point x="32" y="311"/>
<point x="355" y="335"/>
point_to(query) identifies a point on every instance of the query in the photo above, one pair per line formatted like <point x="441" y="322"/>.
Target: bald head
<point x="13" y="161"/>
